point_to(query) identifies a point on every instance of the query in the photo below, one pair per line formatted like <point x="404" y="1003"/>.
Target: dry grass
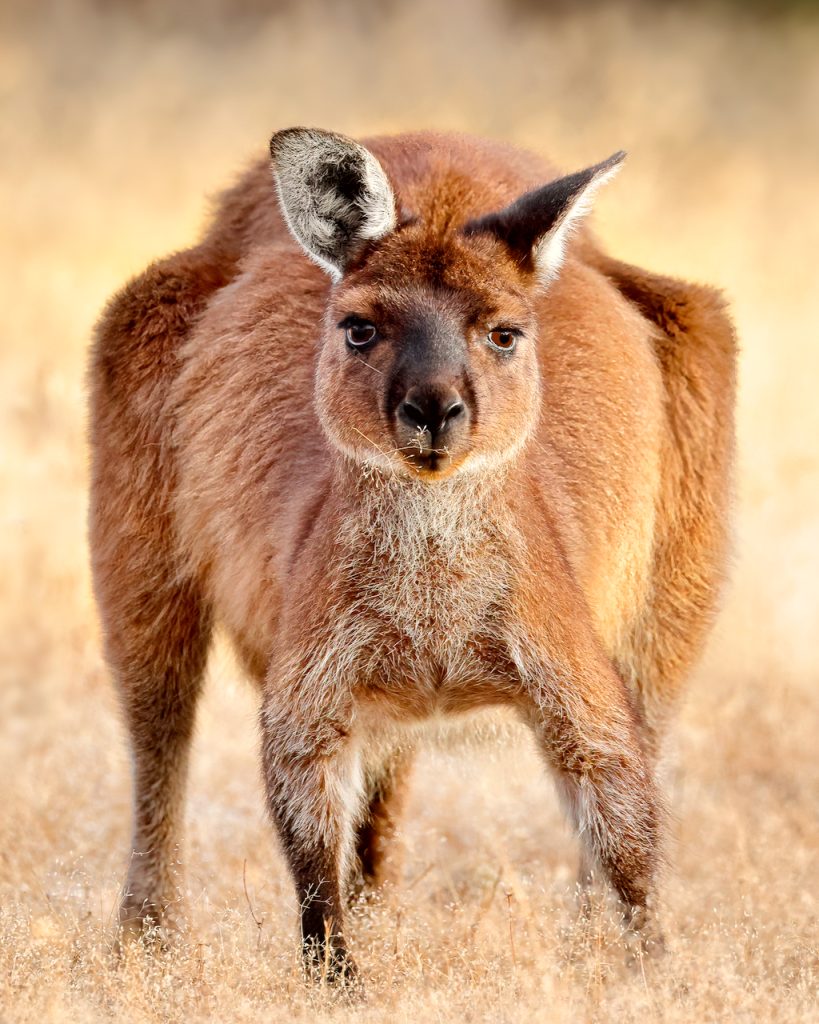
<point x="115" y="127"/>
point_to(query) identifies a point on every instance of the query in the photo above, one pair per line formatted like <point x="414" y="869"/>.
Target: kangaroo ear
<point x="333" y="192"/>
<point x="536" y="226"/>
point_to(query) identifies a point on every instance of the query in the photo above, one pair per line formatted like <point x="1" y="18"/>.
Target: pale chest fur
<point x="428" y="569"/>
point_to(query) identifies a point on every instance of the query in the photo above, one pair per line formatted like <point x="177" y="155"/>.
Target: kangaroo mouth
<point x="425" y="454"/>
<point x="431" y="463"/>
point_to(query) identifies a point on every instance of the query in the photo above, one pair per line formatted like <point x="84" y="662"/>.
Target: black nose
<point x="431" y="408"/>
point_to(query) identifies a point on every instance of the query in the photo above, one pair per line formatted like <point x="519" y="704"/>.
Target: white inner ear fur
<point x="326" y="223"/>
<point x="550" y="249"/>
<point x="377" y="201"/>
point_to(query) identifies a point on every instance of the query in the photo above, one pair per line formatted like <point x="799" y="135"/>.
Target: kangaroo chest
<point x="428" y="582"/>
<point x="433" y="596"/>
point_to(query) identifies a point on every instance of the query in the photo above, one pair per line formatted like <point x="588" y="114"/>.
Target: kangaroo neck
<point x="398" y="513"/>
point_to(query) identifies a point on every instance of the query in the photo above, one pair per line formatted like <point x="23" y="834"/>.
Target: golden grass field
<point x="118" y="121"/>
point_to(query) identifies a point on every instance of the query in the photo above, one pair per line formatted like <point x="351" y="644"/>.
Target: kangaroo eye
<point x="505" y="340"/>
<point x="360" y="335"/>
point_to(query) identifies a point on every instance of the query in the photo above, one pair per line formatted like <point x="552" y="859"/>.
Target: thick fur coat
<point x="452" y="456"/>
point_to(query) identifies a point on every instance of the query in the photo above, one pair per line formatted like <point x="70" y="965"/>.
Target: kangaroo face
<point x="426" y="371"/>
<point x="428" y="364"/>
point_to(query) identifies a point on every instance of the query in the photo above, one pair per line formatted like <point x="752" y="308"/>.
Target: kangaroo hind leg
<point x="378" y="854"/>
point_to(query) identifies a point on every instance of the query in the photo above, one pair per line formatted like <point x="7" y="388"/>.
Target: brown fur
<point x="565" y="560"/>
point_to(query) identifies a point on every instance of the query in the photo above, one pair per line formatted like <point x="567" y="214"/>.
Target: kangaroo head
<point x="429" y="361"/>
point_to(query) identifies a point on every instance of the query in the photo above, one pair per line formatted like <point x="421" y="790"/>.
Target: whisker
<point x="375" y="369"/>
<point x="370" y="440"/>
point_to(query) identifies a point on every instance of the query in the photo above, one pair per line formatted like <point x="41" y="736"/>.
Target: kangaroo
<point x="420" y="447"/>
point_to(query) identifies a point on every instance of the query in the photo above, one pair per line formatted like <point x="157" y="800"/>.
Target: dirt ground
<point x="118" y="120"/>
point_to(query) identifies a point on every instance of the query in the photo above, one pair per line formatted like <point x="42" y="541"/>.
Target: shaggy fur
<point x="560" y="553"/>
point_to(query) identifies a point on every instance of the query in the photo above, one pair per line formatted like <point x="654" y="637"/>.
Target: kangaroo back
<point x="696" y="348"/>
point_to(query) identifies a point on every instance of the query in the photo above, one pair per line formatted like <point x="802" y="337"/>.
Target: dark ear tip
<point x="277" y="140"/>
<point x="280" y="137"/>
<point x="605" y="167"/>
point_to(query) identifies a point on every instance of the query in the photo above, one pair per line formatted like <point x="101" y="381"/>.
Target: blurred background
<point x="120" y="118"/>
